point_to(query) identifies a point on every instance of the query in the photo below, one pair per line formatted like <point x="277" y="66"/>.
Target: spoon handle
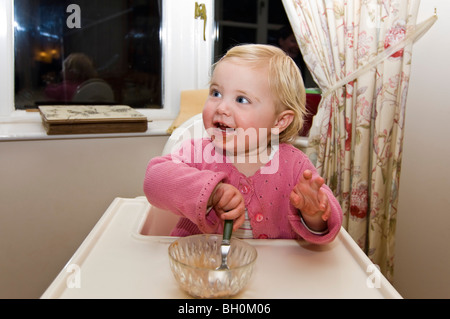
<point x="227" y="229"/>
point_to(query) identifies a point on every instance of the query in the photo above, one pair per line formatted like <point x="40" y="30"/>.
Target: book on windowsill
<point x="91" y="119"/>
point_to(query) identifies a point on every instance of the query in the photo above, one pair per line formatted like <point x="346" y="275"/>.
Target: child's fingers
<point x="238" y="222"/>
<point x="323" y="200"/>
<point x="324" y="205"/>
<point x="307" y="174"/>
<point x="227" y="203"/>
<point x="318" y="181"/>
<point x="235" y="213"/>
<point x="223" y="197"/>
<point x="296" y="199"/>
<point x="227" y="198"/>
<point x="314" y="182"/>
<point x="327" y="213"/>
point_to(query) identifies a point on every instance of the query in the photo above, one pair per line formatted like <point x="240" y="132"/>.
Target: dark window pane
<point x="277" y="14"/>
<point x="87" y="52"/>
<point x="232" y="36"/>
<point x="240" y="10"/>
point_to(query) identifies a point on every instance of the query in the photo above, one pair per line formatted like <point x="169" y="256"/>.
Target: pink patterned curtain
<point x="359" y="52"/>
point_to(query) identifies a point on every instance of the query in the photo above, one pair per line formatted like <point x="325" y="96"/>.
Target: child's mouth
<point x="223" y="128"/>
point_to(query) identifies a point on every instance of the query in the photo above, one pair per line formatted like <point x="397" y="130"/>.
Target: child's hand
<point x="228" y="203"/>
<point x="309" y="197"/>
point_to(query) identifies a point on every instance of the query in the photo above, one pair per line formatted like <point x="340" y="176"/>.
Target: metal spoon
<point x="225" y="246"/>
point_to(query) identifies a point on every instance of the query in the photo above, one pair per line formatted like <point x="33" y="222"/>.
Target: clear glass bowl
<point x="194" y="259"/>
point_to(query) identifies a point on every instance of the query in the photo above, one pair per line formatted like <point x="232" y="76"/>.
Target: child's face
<point x="240" y="107"/>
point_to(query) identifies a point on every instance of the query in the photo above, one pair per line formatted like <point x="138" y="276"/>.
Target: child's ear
<point x="284" y="119"/>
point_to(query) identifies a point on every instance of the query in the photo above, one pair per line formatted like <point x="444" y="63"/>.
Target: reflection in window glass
<point x="87" y="52"/>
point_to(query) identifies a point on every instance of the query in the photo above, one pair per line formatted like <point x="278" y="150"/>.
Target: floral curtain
<point x="359" y="52"/>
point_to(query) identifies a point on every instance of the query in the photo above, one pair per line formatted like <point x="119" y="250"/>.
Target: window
<point x="256" y="21"/>
<point x="265" y="22"/>
<point x="185" y="58"/>
<point x="248" y="21"/>
<point x="87" y="52"/>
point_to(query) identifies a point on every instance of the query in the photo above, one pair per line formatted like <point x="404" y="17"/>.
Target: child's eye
<point x="215" y="93"/>
<point x="242" y="100"/>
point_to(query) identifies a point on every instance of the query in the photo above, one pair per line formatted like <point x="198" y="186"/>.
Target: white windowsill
<point x="22" y="125"/>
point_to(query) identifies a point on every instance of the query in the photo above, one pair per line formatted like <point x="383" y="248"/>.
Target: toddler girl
<point x="246" y="169"/>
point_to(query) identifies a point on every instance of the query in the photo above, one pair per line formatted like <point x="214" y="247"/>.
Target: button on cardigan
<point x="182" y="182"/>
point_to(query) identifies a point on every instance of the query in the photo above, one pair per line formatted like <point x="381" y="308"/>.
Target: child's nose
<point x="223" y="108"/>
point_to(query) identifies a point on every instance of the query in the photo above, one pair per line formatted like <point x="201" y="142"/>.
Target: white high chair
<point x="192" y="128"/>
<point x="160" y="222"/>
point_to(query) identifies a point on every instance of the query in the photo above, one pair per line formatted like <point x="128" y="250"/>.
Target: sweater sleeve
<point x="174" y="183"/>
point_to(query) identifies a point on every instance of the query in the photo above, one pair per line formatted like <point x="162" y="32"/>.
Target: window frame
<point x="183" y="48"/>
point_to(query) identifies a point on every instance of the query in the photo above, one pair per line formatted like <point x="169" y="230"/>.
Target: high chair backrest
<point x="192" y="128"/>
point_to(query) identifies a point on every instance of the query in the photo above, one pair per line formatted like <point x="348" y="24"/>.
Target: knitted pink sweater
<point x="183" y="183"/>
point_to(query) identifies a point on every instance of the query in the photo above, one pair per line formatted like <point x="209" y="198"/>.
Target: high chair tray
<point x="116" y="261"/>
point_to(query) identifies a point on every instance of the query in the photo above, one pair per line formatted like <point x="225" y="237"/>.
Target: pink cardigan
<point x="182" y="183"/>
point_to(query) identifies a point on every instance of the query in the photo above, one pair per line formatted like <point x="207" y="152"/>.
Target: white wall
<point x="422" y="263"/>
<point x="52" y="193"/>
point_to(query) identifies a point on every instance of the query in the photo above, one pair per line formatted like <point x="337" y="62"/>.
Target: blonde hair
<point x="285" y="81"/>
